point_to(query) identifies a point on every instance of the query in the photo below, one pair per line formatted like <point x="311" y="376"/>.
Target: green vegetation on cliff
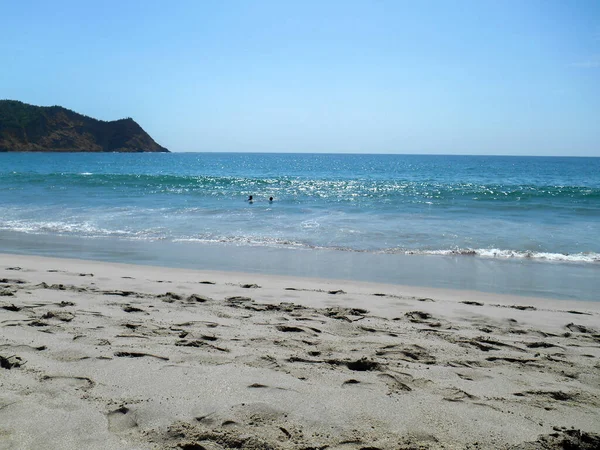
<point x="28" y="128"/>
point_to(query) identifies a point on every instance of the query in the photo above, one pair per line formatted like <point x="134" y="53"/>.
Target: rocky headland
<point x="29" y="128"/>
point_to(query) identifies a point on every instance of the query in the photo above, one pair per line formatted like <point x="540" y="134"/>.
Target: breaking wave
<point x="585" y="257"/>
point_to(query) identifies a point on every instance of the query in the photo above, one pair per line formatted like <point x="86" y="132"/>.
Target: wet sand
<point x="513" y="276"/>
<point x="112" y="356"/>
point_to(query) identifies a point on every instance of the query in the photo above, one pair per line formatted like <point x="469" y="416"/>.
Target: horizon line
<point x="381" y="154"/>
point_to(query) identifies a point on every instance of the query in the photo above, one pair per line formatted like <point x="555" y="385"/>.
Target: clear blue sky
<point x="464" y="77"/>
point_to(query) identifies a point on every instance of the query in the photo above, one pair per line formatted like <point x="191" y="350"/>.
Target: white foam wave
<point x="586" y="257"/>
<point x="244" y="240"/>
<point x="89" y="230"/>
<point x="75" y="228"/>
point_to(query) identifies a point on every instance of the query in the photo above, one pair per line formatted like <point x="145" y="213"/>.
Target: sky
<point x="440" y="77"/>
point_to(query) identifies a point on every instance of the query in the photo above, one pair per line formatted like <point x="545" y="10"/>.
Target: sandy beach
<point x="113" y="356"/>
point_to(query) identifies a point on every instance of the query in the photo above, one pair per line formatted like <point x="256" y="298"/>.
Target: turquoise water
<point x="546" y="209"/>
<point x="516" y="225"/>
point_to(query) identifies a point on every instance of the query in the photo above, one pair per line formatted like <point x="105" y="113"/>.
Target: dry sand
<point x="114" y="356"/>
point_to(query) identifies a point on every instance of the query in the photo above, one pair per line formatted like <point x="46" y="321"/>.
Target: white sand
<point x="99" y="356"/>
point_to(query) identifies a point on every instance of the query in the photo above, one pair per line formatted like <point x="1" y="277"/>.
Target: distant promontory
<point x="28" y="128"/>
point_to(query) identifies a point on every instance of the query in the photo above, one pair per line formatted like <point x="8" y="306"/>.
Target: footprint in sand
<point x="66" y="381"/>
<point x="63" y="316"/>
<point x="472" y="375"/>
<point x="139" y="355"/>
<point x="11" y="281"/>
<point x="131" y="309"/>
<point x="195" y="298"/>
<point x="579" y="328"/>
<point x="10" y="362"/>
<point x="289" y="329"/>
<point x="472" y="303"/>
<point x="23" y="347"/>
<point x="456" y="395"/>
<point x="410" y="353"/>
<point x="169" y="297"/>
<point x="394" y="384"/>
<point x="264" y="386"/>
<point x="121" y="419"/>
<point x="12" y="307"/>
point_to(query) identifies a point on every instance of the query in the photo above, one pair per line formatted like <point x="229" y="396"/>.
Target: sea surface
<point x="541" y="211"/>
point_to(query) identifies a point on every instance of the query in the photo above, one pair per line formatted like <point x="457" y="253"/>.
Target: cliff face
<point x="28" y="128"/>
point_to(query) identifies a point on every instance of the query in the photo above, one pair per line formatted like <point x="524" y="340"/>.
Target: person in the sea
<point x="270" y="199"/>
<point x="250" y="199"/>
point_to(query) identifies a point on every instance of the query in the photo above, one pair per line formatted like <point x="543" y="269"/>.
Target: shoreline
<point x="109" y="355"/>
<point x="107" y="268"/>
<point x="560" y="280"/>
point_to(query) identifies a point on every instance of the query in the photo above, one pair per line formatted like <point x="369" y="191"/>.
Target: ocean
<point x="532" y="222"/>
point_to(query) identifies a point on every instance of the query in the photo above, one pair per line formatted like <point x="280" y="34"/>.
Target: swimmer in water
<point x="250" y="199"/>
<point x="270" y="199"/>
